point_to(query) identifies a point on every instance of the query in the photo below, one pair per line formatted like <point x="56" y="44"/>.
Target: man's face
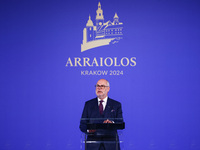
<point x="102" y="89"/>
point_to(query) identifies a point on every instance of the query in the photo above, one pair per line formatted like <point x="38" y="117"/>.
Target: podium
<point x="104" y="135"/>
<point x="108" y="126"/>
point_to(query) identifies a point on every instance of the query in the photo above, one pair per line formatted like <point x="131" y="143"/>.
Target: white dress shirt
<point x="104" y="102"/>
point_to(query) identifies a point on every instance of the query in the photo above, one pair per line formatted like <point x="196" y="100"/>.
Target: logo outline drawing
<point x="103" y="33"/>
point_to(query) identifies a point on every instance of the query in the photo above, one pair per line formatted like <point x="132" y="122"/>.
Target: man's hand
<point x="107" y="121"/>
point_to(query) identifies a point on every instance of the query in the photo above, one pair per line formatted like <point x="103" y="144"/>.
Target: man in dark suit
<point x="101" y="109"/>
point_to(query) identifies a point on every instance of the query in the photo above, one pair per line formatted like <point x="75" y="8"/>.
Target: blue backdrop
<point x="41" y="99"/>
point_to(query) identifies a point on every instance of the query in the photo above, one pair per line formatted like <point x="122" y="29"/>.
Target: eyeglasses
<point x="100" y="86"/>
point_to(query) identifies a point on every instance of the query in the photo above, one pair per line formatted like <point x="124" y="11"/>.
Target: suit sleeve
<point x="119" y="114"/>
<point x="84" y="119"/>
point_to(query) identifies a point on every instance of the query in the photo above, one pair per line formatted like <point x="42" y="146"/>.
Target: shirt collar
<point x="105" y="99"/>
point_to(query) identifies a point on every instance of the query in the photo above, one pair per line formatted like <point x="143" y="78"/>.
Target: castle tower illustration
<point x="104" y="33"/>
<point x="90" y="30"/>
<point x="116" y="19"/>
<point x="99" y="19"/>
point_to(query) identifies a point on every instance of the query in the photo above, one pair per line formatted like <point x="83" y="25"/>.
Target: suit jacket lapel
<point x="96" y="107"/>
<point x="107" y="109"/>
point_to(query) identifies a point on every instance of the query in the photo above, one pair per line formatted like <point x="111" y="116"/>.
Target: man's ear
<point x="108" y="89"/>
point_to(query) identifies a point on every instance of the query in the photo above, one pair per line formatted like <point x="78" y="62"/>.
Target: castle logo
<point x="104" y="33"/>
